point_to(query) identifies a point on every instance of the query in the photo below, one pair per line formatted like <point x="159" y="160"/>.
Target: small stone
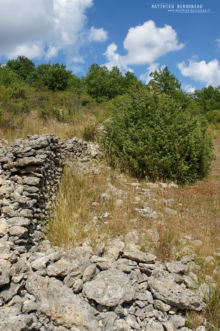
<point x="169" y="326"/>
<point x="3" y="227"/>
<point x="89" y="273"/>
<point x="176" y="267"/>
<point x="132" y="322"/>
<point x="189" y="282"/>
<point x="142" y="296"/>
<point x="40" y="263"/>
<point x="160" y="305"/>
<point x="32" y="181"/>
<point x="8" y="293"/>
<point x="178" y="321"/>
<point x="26" y="213"/>
<point x="61" y="268"/>
<point x="18" y="221"/>
<point x="77" y="285"/>
<point x="29" y="306"/>
<point x="113" y="249"/>
<point x="19" y="231"/>
<point x="139" y="256"/>
<point x="107" y="320"/>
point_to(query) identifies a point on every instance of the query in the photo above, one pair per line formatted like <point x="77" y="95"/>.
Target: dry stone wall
<point x="44" y="288"/>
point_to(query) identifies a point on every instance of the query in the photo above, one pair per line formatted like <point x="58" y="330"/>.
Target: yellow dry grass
<point x="33" y="124"/>
<point x="83" y="214"/>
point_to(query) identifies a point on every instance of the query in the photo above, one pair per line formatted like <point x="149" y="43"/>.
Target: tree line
<point x="103" y="84"/>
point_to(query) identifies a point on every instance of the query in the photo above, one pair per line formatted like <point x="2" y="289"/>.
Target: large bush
<point x="54" y="77"/>
<point x="152" y="136"/>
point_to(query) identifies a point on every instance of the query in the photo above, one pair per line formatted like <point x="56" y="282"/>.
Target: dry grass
<point x="83" y="213"/>
<point x="33" y="124"/>
<point x="82" y="216"/>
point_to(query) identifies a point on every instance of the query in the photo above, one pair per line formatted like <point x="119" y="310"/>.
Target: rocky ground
<point x="118" y="287"/>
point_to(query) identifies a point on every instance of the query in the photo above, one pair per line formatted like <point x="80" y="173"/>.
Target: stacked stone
<point x="30" y="173"/>
<point x="52" y="289"/>
<point x="112" y="290"/>
<point x="79" y="149"/>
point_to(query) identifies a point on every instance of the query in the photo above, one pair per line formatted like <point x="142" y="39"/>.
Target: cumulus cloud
<point x="146" y="76"/>
<point x="188" y="88"/>
<point x="144" y="45"/>
<point x="114" y="59"/>
<point x="98" y="35"/>
<point x="208" y="73"/>
<point x="42" y="28"/>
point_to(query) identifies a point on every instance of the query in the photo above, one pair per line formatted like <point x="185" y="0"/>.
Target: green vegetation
<point x="152" y="135"/>
<point x="22" y="66"/>
<point x="156" y="131"/>
<point x="104" y="85"/>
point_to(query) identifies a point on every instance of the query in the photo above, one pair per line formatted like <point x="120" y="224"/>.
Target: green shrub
<point x="8" y="77"/>
<point x="214" y="116"/>
<point x="152" y="136"/>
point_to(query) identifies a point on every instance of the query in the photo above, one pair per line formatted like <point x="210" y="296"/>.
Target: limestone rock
<point x="89" y="273"/>
<point x="12" y="320"/>
<point x="139" y="256"/>
<point x="3" y="227"/>
<point x="113" y="249"/>
<point x="61" y="268"/>
<point x="176" y="267"/>
<point x="19" y="231"/>
<point x="40" y="263"/>
<point x="173" y="294"/>
<point x="60" y="304"/>
<point x="109" y="288"/>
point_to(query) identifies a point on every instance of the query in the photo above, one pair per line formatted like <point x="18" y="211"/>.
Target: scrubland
<point x="96" y="202"/>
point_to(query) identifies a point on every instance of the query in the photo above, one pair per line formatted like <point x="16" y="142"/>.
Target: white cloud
<point x="188" y="88"/>
<point x="114" y="59"/>
<point x="42" y="28"/>
<point x="146" y="76"/>
<point x="144" y="45"/>
<point x="98" y="35"/>
<point x="208" y="73"/>
<point x="218" y="42"/>
<point x="31" y="50"/>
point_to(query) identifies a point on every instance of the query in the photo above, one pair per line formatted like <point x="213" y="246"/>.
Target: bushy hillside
<point x="157" y="130"/>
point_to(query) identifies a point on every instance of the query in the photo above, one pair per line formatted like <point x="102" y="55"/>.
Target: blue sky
<point x="134" y="35"/>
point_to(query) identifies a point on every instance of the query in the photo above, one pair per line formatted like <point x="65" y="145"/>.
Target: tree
<point x="75" y="84"/>
<point x="165" y="82"/>
<point x="96" y="82"/>
<point x="54" y="77"/>
<point x="208" y="98"/>
<point x="130" y="81"/>
<point x="103" y="84"/>
<point x="22" y="66"/>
